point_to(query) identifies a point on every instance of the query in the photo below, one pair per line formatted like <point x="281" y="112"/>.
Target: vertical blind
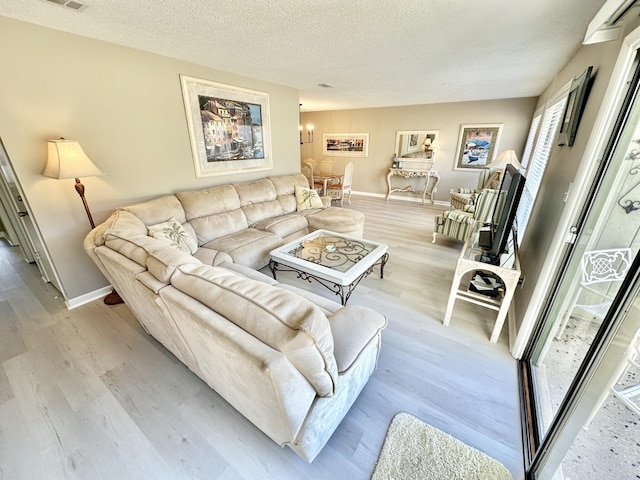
<point x="535" y="159"/>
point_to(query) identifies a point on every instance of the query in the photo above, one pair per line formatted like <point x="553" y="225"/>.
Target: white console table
<point x="430" y="177"/>
<point x="468" y="261"/>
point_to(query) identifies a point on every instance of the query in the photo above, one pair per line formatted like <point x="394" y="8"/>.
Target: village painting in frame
<point x="228" y="127"/>
<point x="477" y="145"/>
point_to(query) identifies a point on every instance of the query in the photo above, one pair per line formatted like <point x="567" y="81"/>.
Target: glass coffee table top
<point x="331" y="251"/>
<point x="336" y="261"/>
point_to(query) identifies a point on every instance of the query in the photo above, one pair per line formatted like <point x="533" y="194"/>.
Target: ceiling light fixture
<point x="70" y="4"/>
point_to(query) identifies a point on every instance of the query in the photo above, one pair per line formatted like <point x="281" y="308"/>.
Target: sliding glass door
<point x="572" y="362"/>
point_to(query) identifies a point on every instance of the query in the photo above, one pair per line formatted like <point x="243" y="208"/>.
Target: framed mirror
<point x="416" y="149"/>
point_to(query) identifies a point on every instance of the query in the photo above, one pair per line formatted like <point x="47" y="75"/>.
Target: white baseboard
<point x="88" y="297"/>
<point x="396" y="197"/>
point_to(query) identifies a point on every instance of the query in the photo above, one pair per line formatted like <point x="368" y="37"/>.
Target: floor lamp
<point x="66" y="159"/>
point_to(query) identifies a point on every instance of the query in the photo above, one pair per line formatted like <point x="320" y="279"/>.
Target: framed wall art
<point x="345" y="144"/>
<point x="576" y="100"/>
<point x="228" y="127"/>
<point x="477" y="145"/>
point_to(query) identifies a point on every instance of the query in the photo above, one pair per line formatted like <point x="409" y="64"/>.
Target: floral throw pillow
<point x="173" y="233"/>
<point x="307" y="198"/>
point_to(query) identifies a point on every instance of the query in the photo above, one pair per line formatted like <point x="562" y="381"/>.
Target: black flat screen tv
<point x="504" y="214"/>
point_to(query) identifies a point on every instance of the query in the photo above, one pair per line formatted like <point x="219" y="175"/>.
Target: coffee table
<point x="336" y="261"/>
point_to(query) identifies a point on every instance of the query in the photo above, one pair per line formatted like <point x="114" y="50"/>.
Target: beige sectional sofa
<point x="290" y="361"/>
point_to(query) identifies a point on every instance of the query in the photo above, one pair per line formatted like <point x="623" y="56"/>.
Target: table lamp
<point x="505" y="157"/>
<point x="66" y="159"/>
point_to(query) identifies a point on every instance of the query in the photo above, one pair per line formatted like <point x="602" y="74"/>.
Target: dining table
<point x="325" y="179"/>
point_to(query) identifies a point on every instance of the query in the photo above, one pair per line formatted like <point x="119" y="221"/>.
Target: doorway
<point x="17" y="217"/>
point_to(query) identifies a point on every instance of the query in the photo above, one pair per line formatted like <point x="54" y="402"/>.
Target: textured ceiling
<point x="374" y="53"/>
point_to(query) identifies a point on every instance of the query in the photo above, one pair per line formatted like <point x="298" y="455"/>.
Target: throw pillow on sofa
<point x="307" y="198"/>
<point x="173" y="233"/>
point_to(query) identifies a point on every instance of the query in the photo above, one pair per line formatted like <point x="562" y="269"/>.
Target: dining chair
<point x="325" y="168"/>
<point x="307" y="168"/>
<point x="337" y="191"/>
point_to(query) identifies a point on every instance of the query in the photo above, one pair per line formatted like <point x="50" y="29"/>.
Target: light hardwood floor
<point x="86" y="394"/>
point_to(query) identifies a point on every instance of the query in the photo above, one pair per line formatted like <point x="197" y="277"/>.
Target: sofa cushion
<point x="336" y="219"/>
<point x="214" y="212"/>
<point x="158" y="210"/>
<point x="281" y="319"/>
<point x="262" y="211"/>
<point x="285" y="190"/>
<point x="209" y="256"/>
<point x="174" y="234"/>
<point x="284" y="225"/>
<point x="259" y="200"/>
<point x="307" y="198"/>
<point x="249" y="247"/>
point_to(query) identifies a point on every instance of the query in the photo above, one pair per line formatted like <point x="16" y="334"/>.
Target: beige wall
<point x="382" y="124"/>
<point x="564" y="161"/>
<point x="125" y="108"/>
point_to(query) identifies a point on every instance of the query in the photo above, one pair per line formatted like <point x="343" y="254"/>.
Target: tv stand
<point x="470" y="259"/>
<point x="484" y="258"/>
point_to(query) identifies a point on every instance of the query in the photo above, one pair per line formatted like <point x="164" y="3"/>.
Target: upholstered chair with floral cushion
<point x="459" y="223"/>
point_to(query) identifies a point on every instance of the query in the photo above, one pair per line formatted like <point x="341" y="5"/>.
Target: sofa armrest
<point x="163" y="261"/>
<point x="353" y="328"/>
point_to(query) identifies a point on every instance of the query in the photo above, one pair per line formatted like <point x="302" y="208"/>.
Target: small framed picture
<point x="345" y="144"/>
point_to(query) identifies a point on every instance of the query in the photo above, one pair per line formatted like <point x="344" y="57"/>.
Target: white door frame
<point x="19" y="213"/>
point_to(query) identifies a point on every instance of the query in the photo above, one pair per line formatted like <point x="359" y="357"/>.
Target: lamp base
<point x="113" y="298"/>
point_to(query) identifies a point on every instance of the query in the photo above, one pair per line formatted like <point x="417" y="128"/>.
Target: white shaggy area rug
<point x="413" y="450"/>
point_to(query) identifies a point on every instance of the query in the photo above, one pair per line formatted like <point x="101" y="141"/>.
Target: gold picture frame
<point x="477" y="145"/>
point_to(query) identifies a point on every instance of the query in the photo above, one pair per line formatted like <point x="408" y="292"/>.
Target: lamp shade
<point x="66" y="159"/>
<point x="506" y="157"/>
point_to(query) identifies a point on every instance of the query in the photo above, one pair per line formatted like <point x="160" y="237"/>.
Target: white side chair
<point x="337" y="191"/>
<point x="599" y="268"/>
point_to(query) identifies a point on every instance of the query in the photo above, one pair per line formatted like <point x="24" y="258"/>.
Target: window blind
<point x="528" y="148"/>
<point x="536" y="161"/>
